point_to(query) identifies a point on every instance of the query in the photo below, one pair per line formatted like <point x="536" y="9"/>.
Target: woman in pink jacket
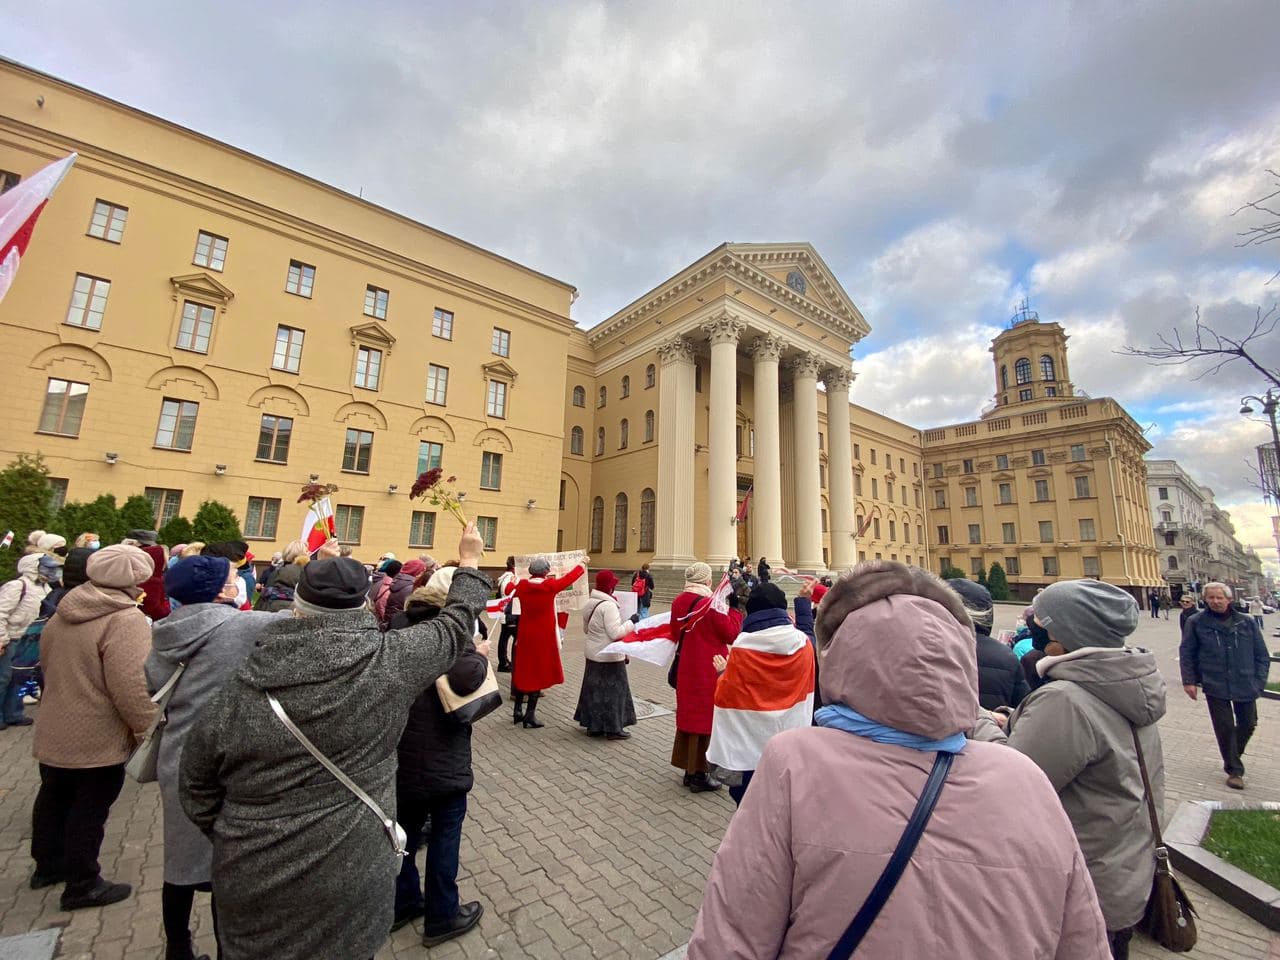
<point x="828" y="805"/>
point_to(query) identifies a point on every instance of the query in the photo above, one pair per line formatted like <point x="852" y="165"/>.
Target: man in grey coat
<point x="302" y="869"/>
<point x="1080" y="730"/>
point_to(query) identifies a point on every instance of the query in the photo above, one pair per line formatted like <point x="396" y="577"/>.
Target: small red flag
<point x="742" y="507"/>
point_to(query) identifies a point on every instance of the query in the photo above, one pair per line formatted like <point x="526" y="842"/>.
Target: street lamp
<point x="1270" y="403"/>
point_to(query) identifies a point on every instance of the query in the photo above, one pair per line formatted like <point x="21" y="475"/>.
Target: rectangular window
<point x="437" y="384"/>
<point x="1037" y="458"/>
<point x="165" y="504"/>
<point x="63" y="407"/>
<point x="57" y="492"/>
<point x="937" y="471"/>
<point x="302" y="277"/>
<point x="944" y="535"/>
<point x="562" y="493"/>
<point x="1077" y="452"/>
<point x="1166" y="516"/>
<point x="1162" y="493"/>
<point x="501" y="345"/>
<point x="919" y="533"/>
<point x="875" y="489"/>
<point x="968" y="466"/>
<point x="975" y="533"/>
<point x="108" y="221"/>
<point x="917" y="496"/>
<point x="1170" y="539"/>
<point x="422" y="529"/>
<point x="893" y="528"/>
<point x="1087" y="531"/>
<point x="488" y="530"/>
<point x="442" y="324"/>
<point x="196" y="327"/>
<point x="9" y="180"/>
<point x="857" y="451"/>
<point x="975" y="566"/>
<point x="970" y="496"/>
<point x="260" y="518"/>
<point x="857" y="484"/>
<point x="355" y="453"/>
<point x="1082" y="486"/>
<point x="906" y="533"/>
<point x="940" y="499"/>
<point x="1002" y="461"/>
<point x="1050" y="391"/>
<point x="888" y="488"/>
<point x="490" y="471"/>
<point x="375" y="302"/>
<point x="1024" y="395"/>
<point x="1046" y="531"/>
<point x="1049" y="565"/>
<point x="875" y="528"/>
<point x="274" y="434"/>
<point x="1005" y="491"/>
<point x="1012" y="566"/>
<point x="211" y="251"/>
<point x="497" y="402"/>
<point x="430" y="455"/>
<point x="349" y="522"/>
<point x="368" y="367"/>
<point x="288" y="353"/>
<point x="873" y="456"/>
<point x="1042" y="490"/>
<point x="177" y="427"/>
<point x="1092" y="568"/>
<point x="1008" y="533"/>
<point x="88" y="302"/>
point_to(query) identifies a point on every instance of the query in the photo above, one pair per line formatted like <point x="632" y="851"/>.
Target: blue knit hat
<point x="197" y="579"/>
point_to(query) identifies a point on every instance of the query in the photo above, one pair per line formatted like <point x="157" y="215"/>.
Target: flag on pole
<point x="20" y="208"/>
<point x="318" y="526"/>
<point x="7" y="542"/>
<point x="743" y="507"/>
<point x="863" y="529"/>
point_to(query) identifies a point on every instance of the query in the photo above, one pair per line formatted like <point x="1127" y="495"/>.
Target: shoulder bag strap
<point x="893" y="871"/>
<point x="161" y="699"/>
<point x="1146" y="788"/>
<point x="388" y="824"/>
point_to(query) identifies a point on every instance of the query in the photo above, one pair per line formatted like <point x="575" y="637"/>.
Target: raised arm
<point x="559" y="583"/>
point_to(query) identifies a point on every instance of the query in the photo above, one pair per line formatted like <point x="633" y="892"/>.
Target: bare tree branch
<point x="1204" y="343"/>
<point x="1267" y="231"/>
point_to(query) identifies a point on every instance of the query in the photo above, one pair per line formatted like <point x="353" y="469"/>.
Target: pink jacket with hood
<point x="997" y="873"/>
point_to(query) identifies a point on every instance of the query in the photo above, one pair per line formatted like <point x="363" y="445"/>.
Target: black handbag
<point x="893" y="870"/>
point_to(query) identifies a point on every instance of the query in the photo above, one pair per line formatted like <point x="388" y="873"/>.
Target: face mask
<point x="1039" y="635"/>
<point x="60" y="551"/>
<point x="95" y="544"/>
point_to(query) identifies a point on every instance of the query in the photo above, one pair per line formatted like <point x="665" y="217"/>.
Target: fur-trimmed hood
<point x="895" y="643"/>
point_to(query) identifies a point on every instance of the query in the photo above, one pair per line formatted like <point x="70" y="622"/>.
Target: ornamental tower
<point x="1030" y="363"/>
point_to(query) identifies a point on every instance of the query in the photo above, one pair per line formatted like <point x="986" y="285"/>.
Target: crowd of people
<point x="308" y="751"/>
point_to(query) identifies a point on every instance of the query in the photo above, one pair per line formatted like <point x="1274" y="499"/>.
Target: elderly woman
<point x="302" y="869"/>
<point x="210" y="638"/>
<point x="94" y="707"/>
<point x="277" y="594"/>
<point x="538" y="665"/>
<point x="605" y="706"/>
<point x="702" y="634"/>
<point x="828" y="804"/>
<point x="20" y="601"/>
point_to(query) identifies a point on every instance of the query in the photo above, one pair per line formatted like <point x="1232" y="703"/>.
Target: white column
<point x="722" y="474"/>
<point x="766" y="495"/>
<point x="673" y="530"/>
<point x="808" y="493"/>
<point x="840" y="459"/>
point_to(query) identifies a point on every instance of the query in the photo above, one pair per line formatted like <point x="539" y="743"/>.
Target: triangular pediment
<point x="1080" y="468"/>
<point x="202" y="287"/>
<point x="373" y="334"/>
<point x="500" y="370"/>
<point x="797" y="266"/>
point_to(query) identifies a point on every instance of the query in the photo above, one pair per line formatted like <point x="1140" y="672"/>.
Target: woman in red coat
<point x="537" y="665"/>
<point x="709" y="634"/>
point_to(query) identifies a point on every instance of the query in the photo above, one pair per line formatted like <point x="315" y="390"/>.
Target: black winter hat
<point x="73" y="568"/>
<point x="392" y="568"/>
<point x="977" y="600"/>
<point x="766" y="596"/>
<point x="339" y="583"/>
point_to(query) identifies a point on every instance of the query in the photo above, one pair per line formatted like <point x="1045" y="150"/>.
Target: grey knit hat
<point x="1086" y="613"/>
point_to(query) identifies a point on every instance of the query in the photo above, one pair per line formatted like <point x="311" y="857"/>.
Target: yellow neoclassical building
<point x="199" y="323"/>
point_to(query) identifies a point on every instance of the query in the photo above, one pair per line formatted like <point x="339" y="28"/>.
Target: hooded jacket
<point x="155" y="603"/>
<point x="1079" y="731"/>
<point x="826" y="808"/>
<point x="301" y="868"/>
<point x="1225" y="655"/>
<point x="95" y="702"/>
<point x="1001" y="682"/>
<point x="212" y="639"/>
<point x="20" y="600"/>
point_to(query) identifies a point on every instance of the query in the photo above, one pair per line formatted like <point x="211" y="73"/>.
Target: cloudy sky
<point x="946" y="159"/>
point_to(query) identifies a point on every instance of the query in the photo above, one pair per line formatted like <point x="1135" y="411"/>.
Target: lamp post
<point x="1270" y="403"/>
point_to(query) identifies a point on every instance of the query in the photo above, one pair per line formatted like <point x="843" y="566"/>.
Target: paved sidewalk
<point x="578" y="848"/>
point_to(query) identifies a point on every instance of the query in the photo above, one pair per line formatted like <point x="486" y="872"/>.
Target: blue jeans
<point x="10" y="697"/>
<point x="437" y="892"/>
<point x="642" y="609"/>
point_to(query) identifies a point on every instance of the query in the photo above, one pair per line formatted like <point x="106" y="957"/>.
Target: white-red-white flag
<point x="651" y="641"/>
<point x="20" y="208"/>
<point x="318" y="526"/>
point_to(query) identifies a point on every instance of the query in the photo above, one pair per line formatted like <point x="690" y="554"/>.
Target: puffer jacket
<point x="826" y="808"/>
<point x="1001" y="682"/>
<point x="398" y="595"/>
<point x="1225" y="655"/>
<point x="603" y="624"/>
<point x="1079" y="731"/>
<point x="20" y="600"/>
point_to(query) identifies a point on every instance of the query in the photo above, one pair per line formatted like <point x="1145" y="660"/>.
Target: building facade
<point x="1178" y="509"/>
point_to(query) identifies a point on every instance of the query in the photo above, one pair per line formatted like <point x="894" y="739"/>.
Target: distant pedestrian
<point x="20" y="601"/>
<point x="1223" y="652"/>
<point x="510" y="617"/>
<point x="762" y="570"/>
<point x="643" y="597"/>
<point x="1188" y="605"/>
<point x="1153" y="600"/>
<point x="1001" y="682"/>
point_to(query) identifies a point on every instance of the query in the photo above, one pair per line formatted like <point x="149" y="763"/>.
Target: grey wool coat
<point x="212" y="639"/>
<point x="302" y="870"/>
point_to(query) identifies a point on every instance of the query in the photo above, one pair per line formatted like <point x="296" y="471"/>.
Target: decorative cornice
<point x="806" y="365"/>
<point x="372" y="333"/>
<point x="767" y="348"/>
<point x="724" y="327"/>
<point x="202" y="287"/>
<point x="675" y="350"/>
<point x="838" y="381"/>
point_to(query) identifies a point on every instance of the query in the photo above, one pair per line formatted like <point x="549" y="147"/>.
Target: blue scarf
<point x="764" y="619"/>
<point x="840" y="717"/>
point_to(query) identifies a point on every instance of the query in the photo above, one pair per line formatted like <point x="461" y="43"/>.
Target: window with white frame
<point x="348" y="521"/>
<point x="211" y="251"/>
<point x="487" y="527"/>
<point x="260" y="518"/>
<point x="422" y="529"/>
<point x="1092" y="567"/>
<point x="650" y="376"/>
<point x="575" y="441"/>
<point x="108" y="221"/>
<point x="430" y="455"/>
<point x="1087" y="529"/>
<point x="368" y="368"/>
<point x="1082" y="487"/>
<point x="490" y="470"/>
<point x="88" y="302"/>
<point x="501" y="344"/>
<point x="442" y="324"/>
<point x="177" y="427"/>
<point x="288" y="352"/>
<point x="63" y="409"/>
<point x="648" y="426"/>
<point x="301" y="278"/>
<point x="375" y="302"/>
<point x="1046" y="531"/>
<point x="274" y="434"/>
<point x="1008" y="533"/>
<point x="1049" y="565"/>
<point x="196" y="327"/>
<point x="437" y="384"/>
<point x="356" y="451"/>
<point x="165" y="504"/>
<point x="496" y="403"/>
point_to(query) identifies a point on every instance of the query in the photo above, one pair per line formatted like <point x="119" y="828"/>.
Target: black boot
<point x="517" y="714"/>
<point x="699" y="783"/>
<point x="531" y="717"/>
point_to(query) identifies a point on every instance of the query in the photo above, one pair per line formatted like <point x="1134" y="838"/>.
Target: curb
<point x="1245" y="892"/>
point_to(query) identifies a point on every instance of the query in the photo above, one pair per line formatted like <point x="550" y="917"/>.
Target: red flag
<point x="863" y="529"/>
<point x="742" y="507"/>
<point x="20" y="208"/>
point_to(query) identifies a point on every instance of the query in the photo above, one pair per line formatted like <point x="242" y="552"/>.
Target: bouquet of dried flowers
<point x="433" y="487"/>
<point x="315" y="492"/>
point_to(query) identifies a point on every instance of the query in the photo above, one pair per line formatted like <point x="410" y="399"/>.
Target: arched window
<point x="575" y="441"/>
<point x="650" y="376"/>
<point x="579" y="397"/>
<point x="624" y="431"/>
<point x="647" y="519"/>
<point x="1046" y="368"/>
<point x="1173" y="563"/>
<point x="620" y="523"/>
<point x="626" y="387"/>
<point x="1021" y="373"/>
<point x="600" y="442"/>
<point x="597" y="525"/>
<point x="648" y="426"/>
<point x="1004" y="377"/>
<point x="604" y="397"/>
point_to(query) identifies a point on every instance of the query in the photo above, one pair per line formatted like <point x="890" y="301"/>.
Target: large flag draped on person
<point x="654" y="638"/>
<point x="20" y="208"/>
<point x="318" y="526"/>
